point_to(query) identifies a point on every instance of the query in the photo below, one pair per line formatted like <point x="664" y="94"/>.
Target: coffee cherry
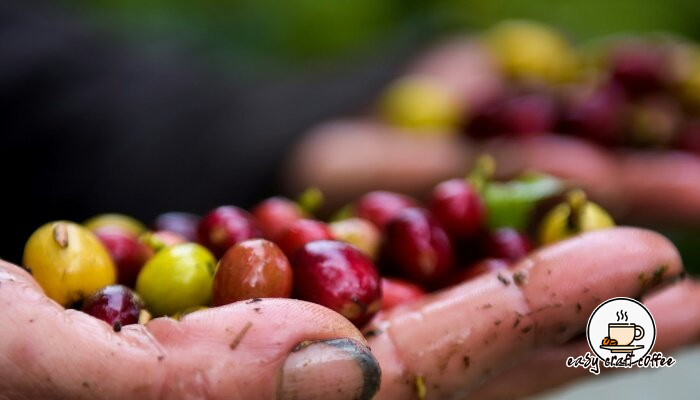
<point x="177" y="278"/>
<point x="126" y="251"/>
<point x="184" y="224"/>
<point x="379" y="207"/>
<point x="653" y="121"/>
<point x="225" y="226"/>
<point x="528" y="114"/>
<point x="338" y="276"/>
<point x="396" y="291"/>
<point x="358" y="232"/>
<point x="129" y="225"/>
<point x="688" y="85"/>
<point x="68" y="261"/>
<point x="689" y="137"/>
<point x="275" y="214"/>
<point x="482" y="267"/>
<point x="527" y="50"/>
<point x="252" y="268"/>
<point x="117" y="305"/>
<point x="572" y="217"/>
<point x="519" y="114"/>
<point x="507" y="244"/>
<point x="597" y="116"/>
<point x="302" y="231"/>
<point x="419" y="247"/>
<point x="487" y="120"/>
<point x="639" y="67"/>
<point x="458" y="207"/>
<point x="422" y="104"/>
<point x="159" y="240"/>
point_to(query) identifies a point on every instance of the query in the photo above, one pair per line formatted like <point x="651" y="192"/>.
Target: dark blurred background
<point x="148" y="106"/>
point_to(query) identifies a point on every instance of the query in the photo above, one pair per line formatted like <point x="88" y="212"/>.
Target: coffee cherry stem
<point x="482" y="172"/>
<point x="310" y="201"/>
<point x="60" y="235"/>
<point x="345" y="212"/>
<point x="577" y="200"/>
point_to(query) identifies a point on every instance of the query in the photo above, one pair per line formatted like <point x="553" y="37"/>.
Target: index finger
<point x="453" y="341"/>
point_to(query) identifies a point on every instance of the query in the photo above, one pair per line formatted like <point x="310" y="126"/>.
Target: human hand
<point x="457" y="340"/>
<point x="635" y="186"/>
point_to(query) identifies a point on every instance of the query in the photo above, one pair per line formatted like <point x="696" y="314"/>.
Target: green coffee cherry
<point x="177" y="278"/>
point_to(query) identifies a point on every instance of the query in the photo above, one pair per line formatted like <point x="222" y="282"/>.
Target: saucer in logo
<point x="621" y="326"/>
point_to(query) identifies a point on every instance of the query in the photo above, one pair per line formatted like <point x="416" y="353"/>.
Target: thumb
<point x="272" y="348"/>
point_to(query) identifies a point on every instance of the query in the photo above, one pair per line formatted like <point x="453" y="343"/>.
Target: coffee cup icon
<point x="624" y="333"/>
<point x="621" y="326"/>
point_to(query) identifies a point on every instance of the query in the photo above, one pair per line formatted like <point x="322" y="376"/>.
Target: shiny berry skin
<point x="303" y="231"/>
<point x="275" y="214"/>
<point x="225" y="226"/>
<point x="458" y="207"/>
<point x="184" y="224"/>
<point x="640" y="68"/>
<point x="507" y="244"/>
<point x="597" y="116"/>
<point x="250" y="269"/>
<point x="127" y="252"/>
<point x="396" y="291"/>
<point x="338" y="276"/>
<point x="419" y="247"/>
<point x="68" y="261"/>
<point x="177" y="278"/>
<point x="482" y="267"/>
<point x="117" y="305"/>
<point x="379" y="207"/>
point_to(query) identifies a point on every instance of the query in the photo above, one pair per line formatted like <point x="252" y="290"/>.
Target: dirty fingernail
<point x="336" y="368"/>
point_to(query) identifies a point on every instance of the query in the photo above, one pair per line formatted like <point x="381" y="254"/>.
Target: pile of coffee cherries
<point x="630" y="91"/>
<point x="113" y="268"/>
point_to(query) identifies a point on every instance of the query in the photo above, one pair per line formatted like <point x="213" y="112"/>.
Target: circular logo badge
<point x="621" y="327"/>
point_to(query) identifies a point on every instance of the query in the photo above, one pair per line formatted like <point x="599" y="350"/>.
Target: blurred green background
<point x="268" y="37"/>
<point x="260" y="39"/>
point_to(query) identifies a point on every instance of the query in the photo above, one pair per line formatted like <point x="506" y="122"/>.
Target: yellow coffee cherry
<point x="689" y="82"/>
<point x="530" y="50"/>
<point x="421" y="104"/>
<point x="68" y="262"/>
<point x="572" y="217"/>
<point x="359" y="232"/>
<point x="119" y="221"/>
